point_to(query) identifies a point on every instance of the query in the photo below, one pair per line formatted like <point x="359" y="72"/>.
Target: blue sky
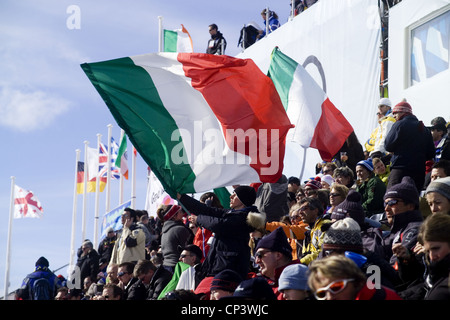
<point x="48" y="107"/>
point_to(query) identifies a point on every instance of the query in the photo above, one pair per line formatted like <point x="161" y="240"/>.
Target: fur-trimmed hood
<point x="256" y="220"/>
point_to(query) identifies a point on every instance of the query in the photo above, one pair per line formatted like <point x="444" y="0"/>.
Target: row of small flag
<point x="27" y="205"/>
<point x="98" y="165"/>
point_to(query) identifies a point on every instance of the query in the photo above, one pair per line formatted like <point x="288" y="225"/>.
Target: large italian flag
<point x="318" y="123"/>
<point x="199" y="121"/>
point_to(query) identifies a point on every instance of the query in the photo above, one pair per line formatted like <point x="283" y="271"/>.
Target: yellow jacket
<point x="313" y="245"/>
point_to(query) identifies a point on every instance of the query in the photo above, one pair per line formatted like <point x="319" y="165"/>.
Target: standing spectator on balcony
<point x="217" y="44"/>
<point x="273" y="24"/>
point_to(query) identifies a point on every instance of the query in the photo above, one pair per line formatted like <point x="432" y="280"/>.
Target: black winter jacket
<point x="231" y="228"/>
<point x="411" y="143"/>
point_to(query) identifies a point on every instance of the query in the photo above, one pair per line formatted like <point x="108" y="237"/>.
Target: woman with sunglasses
<point x="338" y="193"/>
<point x="336" y="277"/>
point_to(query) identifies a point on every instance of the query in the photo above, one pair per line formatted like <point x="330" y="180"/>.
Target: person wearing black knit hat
<point x="273" y="254"/>
<point x="401" y="205"/>
<point x="42" y="284"/>
<point x="231" y="228"/>
<point x="224" y="284"/>
<point x="350" y="207"/>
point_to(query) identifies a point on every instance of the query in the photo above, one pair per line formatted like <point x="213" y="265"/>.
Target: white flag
<point x="26" y="205"/>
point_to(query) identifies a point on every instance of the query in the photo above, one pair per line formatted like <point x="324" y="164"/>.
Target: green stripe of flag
<point x="122" y="149"/>
<point x="170" y="41"/>
<point x="135" y="104"/>
<point x="285" y="69"/>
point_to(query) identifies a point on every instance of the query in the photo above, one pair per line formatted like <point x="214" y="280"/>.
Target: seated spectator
<point x="440" y="169"/>
<point x="435" y="236"/>
<point x="295" y="229"/>
<point x="312" y="213"/>
<point x="338" y="194"/>
<point x="189" y="278"/>
<point x="126" y="277"/>
<point x="312" y="187"/>
<point x="151" y="281"/>
<point x="328" y="168"/>
<point x="62" y="293"/>
<point x="112" y="292"/>
<point x="253" y="289"/>
<point x="371" y="188"/>
<point x="338" y="278"/>
<point x="300" y="195"/>
<point x="224" y="284"/>
<point x="381" y="170"/>
<point x="326" y="181"/>
<point x="434" y="243"/>
<point x="440" y="138"/>
<point x="344" y="176"/>
<point x="345" y="237"/>
<point x="293" y="184"/>
<point x="273" y="254"/>
<point x="293" y="282"/>
<point x="181" y="295"/>
<point x="438" y="195"/>
<point x="352" y="207"/>
<point x="401" y="206"/>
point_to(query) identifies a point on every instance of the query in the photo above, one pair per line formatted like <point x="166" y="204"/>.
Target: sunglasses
<point x="261" y="254"/>
<point x="334" y="288"/>
<point x="335" y="194"/>
<point x="122" y="273"/>
<point x="392" y="202"/>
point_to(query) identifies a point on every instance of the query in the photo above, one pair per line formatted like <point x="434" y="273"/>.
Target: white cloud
<point x="28" y="111"/>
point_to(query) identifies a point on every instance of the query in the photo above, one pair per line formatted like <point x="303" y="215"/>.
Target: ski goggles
<point x="334" y="288"/>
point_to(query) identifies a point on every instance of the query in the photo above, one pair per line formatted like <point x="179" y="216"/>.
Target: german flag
<point x="91" y="183"/>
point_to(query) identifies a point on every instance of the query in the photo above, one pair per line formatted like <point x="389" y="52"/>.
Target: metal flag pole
<point x="74" y="210"/>
<point x="97" y="192"/>
<point x="8" y="245"/>
<point x="133" y="178"/>
<point x="160" y="34"/>
<point x="122" y="133"/>
<point x="85" y="180"/>
<point x="108" y="177"/>
<point x="303" y="164"/>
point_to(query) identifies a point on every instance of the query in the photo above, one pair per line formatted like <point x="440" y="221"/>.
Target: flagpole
<point x="133" y="179"/>
<point x="108" y="176"/>
<point x="122" y="132"/>
<point x="160" y="34"/>
<point x="97" y="193"/>
<point x="86" y="181"/>
<point x="74" y="210"/>
<point x="8" y="245"/>
<point x="303" y="164"/>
